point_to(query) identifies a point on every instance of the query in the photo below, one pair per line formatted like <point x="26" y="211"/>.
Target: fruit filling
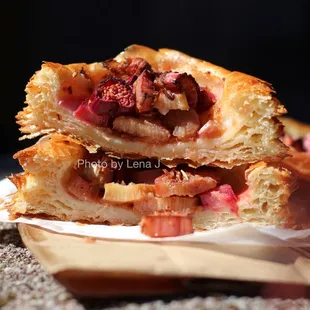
<point x="149" y="186"/>
<point x="167" y="224"/>
<point x="135" y="100"/>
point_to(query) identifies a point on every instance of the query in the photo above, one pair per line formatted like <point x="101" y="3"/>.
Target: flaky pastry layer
<point x="41" y="192"/>
<point x="246" y="112"/>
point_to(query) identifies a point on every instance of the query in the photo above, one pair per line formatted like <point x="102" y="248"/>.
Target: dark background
<point x="267" y="39"/>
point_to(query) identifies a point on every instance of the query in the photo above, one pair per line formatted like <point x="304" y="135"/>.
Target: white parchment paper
<point x="237" y="234"/>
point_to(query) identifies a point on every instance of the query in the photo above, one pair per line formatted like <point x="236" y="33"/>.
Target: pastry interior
<point x="157" y="104"/>
<point x="63" y="181"/>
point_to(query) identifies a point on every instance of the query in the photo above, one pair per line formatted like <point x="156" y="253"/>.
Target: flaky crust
<point x="264" y="202"/>
<point x="246" y="112"/>
<point x="41" y="192"/>
<point x="46" y="164"/>
<point x="270" y="187"/>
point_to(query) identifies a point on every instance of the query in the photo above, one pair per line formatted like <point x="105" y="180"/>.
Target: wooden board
<point x="98" y="267"/>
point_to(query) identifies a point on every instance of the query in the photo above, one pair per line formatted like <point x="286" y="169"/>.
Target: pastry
<point x="157" y="104"/>
<point x="63" y="181"/>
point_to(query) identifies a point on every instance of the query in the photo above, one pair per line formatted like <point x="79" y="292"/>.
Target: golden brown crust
<point x="41" y="192"/>
<point x="270" y="187"/>
<point x="247" y="111"/>
<point x="51" y="149"/>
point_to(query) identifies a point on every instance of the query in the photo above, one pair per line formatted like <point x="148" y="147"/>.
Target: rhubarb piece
<point x="85" y="114"/>
<point x="185" y="124"/>
<point x="210" y="130"/>
<point x="137" y="66"/>
<point x="81" y="188"/>
<point x="145" y="92"/>
<point x="114" y="67"/>
<point x="139" y="127"/>
<point x="219" y="198"/>
<point x="111" y="98"/>
<point x="206" y="99"/>
<point x="181" y="82"/>
<point x="164" y="103"/>
<point x="120" y="193"/>
<point x="100" y="107"/>
<point x="71" y="103"/>
<point x="174" y="203"/>
<point x="182" y="183"/>
<point x="170" y="225"/>
<point x="131" y="79"/>
<point x="131" y="67"/>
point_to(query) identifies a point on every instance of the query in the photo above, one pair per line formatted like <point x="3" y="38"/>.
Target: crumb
<point x="80" y="224"/>
<point x="89" y="240"/>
